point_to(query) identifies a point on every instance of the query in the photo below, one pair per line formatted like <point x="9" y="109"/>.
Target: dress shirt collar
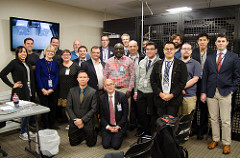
<point x="94" y="62"/>
<point x="152" y="58"/>
<point x="224" y="52"/>
<point x="83" y="59"/>
<point x="111" y="95"/>
<point x="168" y="60"/>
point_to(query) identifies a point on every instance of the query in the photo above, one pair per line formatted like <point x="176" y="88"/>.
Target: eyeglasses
<point x="169" y="49"/>
<point x="108" y="85"/>
<point x="152" y="49"/>
<point x="188" y="49"/>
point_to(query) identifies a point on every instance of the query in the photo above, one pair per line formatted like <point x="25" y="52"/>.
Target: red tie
<point x="219" y="61"/>
<point x="112" y="114"/>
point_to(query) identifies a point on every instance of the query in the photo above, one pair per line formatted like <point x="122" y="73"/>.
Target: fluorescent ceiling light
<point x="178" y="10"/>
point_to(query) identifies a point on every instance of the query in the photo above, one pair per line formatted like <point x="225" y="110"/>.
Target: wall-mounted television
<point x="40" y="31"/>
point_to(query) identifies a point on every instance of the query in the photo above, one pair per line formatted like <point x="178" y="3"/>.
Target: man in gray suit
<point x="81" y="107"/>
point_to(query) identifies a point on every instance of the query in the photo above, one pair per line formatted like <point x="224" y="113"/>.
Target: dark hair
<point x="175" y="36"/>
<point x="82" y="71"/>
<point x="94" y="47"/>
<point x="26" y="39"/>
<point x="82" y="47"/>
<point x="203" y="34"/>
<point x="18" y="50"/>
<point x="66" y="51"/>
<point x="150" y="43"/>
<point x="54" y="38"/>
<point x="222" y="36"/>
<point x="169" y="42"/>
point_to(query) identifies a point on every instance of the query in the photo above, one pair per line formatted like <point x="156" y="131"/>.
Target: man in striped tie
<point x="168" y="79"/>
<point x="114" y="114"/>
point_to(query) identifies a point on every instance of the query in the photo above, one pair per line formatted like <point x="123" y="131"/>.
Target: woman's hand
<point x="18" y="85"/>
<point x="44" y="91"/>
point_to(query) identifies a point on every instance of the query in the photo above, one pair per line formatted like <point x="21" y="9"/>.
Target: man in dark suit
<point x="200" y="54"/>
<point x="220" y="79"/>
<point x="114" y="114"/>
<point x="105" y="49"/>
<point x="168" y="79"/>
<point x="94" y="67"/>
<point x="82" y="50"/>
<point x="55" y="43"/>
<point x="81" y="107"/>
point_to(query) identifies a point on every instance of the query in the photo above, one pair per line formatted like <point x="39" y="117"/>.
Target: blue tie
<point x="149" y="64"/>
<point x="166" y="72"/>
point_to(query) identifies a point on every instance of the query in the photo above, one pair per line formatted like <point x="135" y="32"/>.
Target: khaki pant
<point x="188" y="104"/>
<point x="124" y="90"/>
<point x="220" y="105"/>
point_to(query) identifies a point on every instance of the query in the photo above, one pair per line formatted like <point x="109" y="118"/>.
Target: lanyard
<point x="49" y="70"/>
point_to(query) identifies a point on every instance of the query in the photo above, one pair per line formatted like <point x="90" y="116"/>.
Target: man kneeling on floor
<point x="81" y="107"/>
<point x="114" y="113"/>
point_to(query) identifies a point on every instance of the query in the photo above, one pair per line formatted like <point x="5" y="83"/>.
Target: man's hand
<point x="49" y="91"/>
<point x="203" y="98"/>
<point x="135" y="96"/>
<point x="44" y="91"/>
<point x="161" y="95"/>
<point x="128" y="94"/>
<point x="168" y="97"/>
<point x="183" y="92"/>
<point x="79" y="123"/>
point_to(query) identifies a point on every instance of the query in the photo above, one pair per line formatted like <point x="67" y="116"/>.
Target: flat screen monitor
<point x="40" y="31"/>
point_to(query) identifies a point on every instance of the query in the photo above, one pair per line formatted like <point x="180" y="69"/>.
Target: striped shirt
<point x="121" y="71"/>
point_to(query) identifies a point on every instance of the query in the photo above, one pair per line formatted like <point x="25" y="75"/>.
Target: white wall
<point x="75" y="23"/>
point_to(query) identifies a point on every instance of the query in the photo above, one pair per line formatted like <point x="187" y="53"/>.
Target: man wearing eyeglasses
<point x="168" y="79"/>
<point x="190" y="89"/>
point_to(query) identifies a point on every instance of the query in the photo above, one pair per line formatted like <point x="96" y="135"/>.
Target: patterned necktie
<point x="81" y="96"/>
<point x="166" y="72"/>
<point x="219" y="61"/>
<point x="112" y="114"/>
<point x="148" y="65"/>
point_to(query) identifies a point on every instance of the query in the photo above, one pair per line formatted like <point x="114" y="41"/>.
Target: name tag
<point x="28" y="84"/>
<point x="145" y="83"/>
<point x="119" y="107"/>
<point x="67" y="71"/>
<point x="50" y="83"/>
<point x="121" y="68"/>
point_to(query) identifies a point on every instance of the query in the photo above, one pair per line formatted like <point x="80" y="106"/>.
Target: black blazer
<point x="84" y="111"/>
<point x="57" y="57"/>
<point x="196" y="54"/>
<point x="226" y="80"/>
<point x="89" y="68"/>
<point x="179" y="79"/>
<point x="77" y="61"/>
<point x="121" y="117"/>
<point x="19" y="73"/>
<point x="110" y="52"/>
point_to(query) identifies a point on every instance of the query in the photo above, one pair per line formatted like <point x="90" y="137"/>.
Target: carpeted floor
<point x="14" y="146"/>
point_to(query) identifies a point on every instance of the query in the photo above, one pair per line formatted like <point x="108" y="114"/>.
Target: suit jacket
<point x="110" y="52"/>
<point x="84" y="111"/>
<point x="57" y="56"/>
<point x="178" y="82"/>
<point x="77" y="61"/>
<point x="196" y="54"/>
<point x="89" y="68"/>
<point x="121" y="117"/>
<point x="226" y="80"/>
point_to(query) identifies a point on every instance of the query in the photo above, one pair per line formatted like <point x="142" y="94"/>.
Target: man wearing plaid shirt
<point x="120" y="69"/>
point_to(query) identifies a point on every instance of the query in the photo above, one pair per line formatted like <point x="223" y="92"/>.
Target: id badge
<point x="165" y="86"/>
<point x="28" y="84"/>
<point x="67" y="71"/>
<point x="50" y="83"/>
<point x="145" y="83"/>
<point x="119" y="107"/>
<point x="121" y="68"/>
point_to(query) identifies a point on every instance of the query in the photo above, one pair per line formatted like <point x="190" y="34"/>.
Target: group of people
<point x="125" y="89"/>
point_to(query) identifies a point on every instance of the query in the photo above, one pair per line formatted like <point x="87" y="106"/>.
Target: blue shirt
<point x="194" y="69"/>
<point x="43" y="68"/>
<point x="74" y="55"/>
<point x="178" y="54"/>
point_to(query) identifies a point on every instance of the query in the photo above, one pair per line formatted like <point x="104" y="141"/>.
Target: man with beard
<point x="177" y="39"/>
<point x="190" y="89"/>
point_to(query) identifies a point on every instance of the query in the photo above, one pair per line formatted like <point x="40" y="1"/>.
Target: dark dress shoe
<point x="140" y="134"/>
<point x="200" y="137"/>
<point x="212" y="145"/>
<point x="192" y="133"/>
<point x="226" y="149"/>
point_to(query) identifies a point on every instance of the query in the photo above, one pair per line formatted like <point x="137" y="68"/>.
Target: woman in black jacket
<point x="24" y="86"/>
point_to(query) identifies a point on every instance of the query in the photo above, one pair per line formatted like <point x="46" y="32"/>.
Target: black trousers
<point x="76" y="135"/>
<point x="48" y="119"/>
<point x="144" y="102"/>
<point x="133" y="112"/>
<point x="168" y="108"/>
<point x="113" y="140"/>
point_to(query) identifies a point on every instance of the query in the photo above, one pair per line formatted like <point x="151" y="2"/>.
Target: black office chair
<point x="184" y="127"/>
<point x="2" y="124"/>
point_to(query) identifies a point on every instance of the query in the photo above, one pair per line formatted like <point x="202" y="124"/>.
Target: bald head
<point x="118" y="50"/>
<point x="76" y="45"/>
<point x="133" y="48"/>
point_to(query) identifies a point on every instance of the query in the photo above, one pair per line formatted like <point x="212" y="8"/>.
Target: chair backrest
<point x="141" y="149"/>
<point x="187" y="117"/>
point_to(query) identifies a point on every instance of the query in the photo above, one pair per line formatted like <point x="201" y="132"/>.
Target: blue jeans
<point x="31" y="121"/>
